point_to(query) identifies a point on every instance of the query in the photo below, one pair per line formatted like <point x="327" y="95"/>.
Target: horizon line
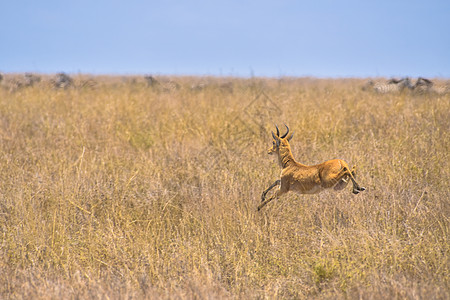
<point x="168" y="74"/>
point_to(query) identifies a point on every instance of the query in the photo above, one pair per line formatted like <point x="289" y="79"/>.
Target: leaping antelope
<point x="304" y="179"/>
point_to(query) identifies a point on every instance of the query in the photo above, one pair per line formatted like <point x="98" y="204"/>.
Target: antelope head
<point x="279" y="141"/>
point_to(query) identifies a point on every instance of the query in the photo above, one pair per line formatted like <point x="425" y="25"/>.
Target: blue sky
<point x="227" y="38"/>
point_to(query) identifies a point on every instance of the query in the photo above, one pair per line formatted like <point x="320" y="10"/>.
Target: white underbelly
<point x="316" y="189"/>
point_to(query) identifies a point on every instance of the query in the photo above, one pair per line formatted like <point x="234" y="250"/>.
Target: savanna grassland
<point x="128" y="191"/>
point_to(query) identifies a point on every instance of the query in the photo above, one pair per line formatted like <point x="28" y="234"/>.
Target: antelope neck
<point x="285" y="156"/>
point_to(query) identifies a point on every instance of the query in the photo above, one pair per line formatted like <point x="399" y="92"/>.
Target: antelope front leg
<point x="266" y="201"/>
<point x="263" y="196"/>
<point x="278" y="193"/>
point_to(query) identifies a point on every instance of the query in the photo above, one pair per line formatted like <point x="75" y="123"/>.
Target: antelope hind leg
<point x="356" y="187"/>
<point x="343" y="182"/>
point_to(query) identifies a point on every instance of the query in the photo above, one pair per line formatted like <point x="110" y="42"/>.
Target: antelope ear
<point x="290" y="138"/>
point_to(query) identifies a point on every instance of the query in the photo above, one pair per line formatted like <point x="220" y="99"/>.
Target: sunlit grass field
<point x="127" y="191"/>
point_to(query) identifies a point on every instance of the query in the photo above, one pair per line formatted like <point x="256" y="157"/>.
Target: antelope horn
<point x="278" y="131"/>
<point x="284" y="135"/>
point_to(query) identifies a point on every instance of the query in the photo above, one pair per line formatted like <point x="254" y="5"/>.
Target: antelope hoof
<point x="356" y="192"/>
<point x="362" y="189"/>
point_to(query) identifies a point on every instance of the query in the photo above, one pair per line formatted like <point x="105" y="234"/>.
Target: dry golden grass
<point x="128" y="191"/>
